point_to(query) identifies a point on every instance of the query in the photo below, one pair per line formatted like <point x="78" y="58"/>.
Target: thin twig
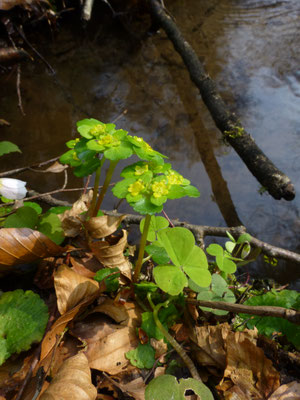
<point x="20" y="105"/>
<point x="22" y="169"/>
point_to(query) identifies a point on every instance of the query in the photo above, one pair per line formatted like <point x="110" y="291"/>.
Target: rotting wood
<point x="269" y="176"/>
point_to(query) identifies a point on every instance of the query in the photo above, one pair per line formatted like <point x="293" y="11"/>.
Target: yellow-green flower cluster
<point x="136" y="188"/>
<point x="159" y="189"/>
<point x="108" y="140"/>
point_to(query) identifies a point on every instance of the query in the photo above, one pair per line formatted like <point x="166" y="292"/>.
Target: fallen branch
<point x="275" y="181"/>
<point x="263" y="311"/>
<point x="199" y="231"/>
<point x="22" y="169"/>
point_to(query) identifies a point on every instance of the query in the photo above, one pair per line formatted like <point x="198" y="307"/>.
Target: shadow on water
<point x="251" y="49"/>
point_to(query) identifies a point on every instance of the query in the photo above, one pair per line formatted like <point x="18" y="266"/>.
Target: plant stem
<point x="96" y="187"/>
<point x="186" y="359"/>
<point x="139" y="263"/>
<point x="106" y="183"/>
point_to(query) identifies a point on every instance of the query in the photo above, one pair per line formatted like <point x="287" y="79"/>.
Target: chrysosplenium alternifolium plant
<point x="146" y="186"/>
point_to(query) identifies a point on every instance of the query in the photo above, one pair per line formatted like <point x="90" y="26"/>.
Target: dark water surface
<point x="251" y="48"/>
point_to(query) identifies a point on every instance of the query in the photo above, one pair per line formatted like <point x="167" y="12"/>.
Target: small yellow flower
<point x="141" y="169"/>
<point x="97" y="130"/>
<point x="75" y="157"/>
<point x="174" y="178"/>
<point x="108" y="140"/>
<point x="136" y="188"/>
<point x="142" y="142"/>
<point x="159" y="189"/>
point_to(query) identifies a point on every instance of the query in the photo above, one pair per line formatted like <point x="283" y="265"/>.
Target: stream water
<point x="250" y="47"/>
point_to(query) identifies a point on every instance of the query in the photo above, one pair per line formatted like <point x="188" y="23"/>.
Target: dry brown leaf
<point x="60" y="324"/>
<point x="249" y="369"/>
<point x="8" y="4"/>
<point x="111" y="255"/>
<point x="210" y="345"/>
<point x="87" y="265"/>
<point x="108" y="353"/>
<point x="56" y="168"/>
<point x="24" y="245"/>
<point x="128" y="314"/>
<point x="100" y="227"/>
<point x="72" y="381"/>
<point x="71" y="288"/>
<point x="72" y="220"/>
<point x="287" y="392"/>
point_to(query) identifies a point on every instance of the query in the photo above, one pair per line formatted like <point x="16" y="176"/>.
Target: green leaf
<point x="230" y="237"/>
<point x="170" y="279"/>
<point x="70" y="157"/>
<point x="229" y="246"/>
<point x="158" y="254"/>
<point x="245" y="237"/>
<point x="225" y="264"/>
<point x="84" y="126"/>
<point x="119" y="153"/>
<point x="87" y="167"/>
<point x="215" y="249"/>
<point x="156" y="224"/>
<point x="178" y="243"/>
<point x="269" y="325"/>
<point x="144" y="206"/>
<point x="164" y="387"/>
<point x="218" y="291"/>
<point x="197" y="387"/>
<point x="50" y="225"/>
<point x="197" y="258"/>
<point x="120" y="189"/>
<point x="24" y="217"/>
<point x="145" y="287"/>
<point x="142" y="357"/>
<point x="35" y="206"/>
<point x="112" y="282"/>
<point x="59" y="209"/>
<point x="23" y="319"/>
<point x="200" y="276"/>
<point x="8" y="147"/>
<point x="149" y="326"/>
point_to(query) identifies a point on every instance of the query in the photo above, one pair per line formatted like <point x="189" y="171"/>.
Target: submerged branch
<point x="275" y="181"/>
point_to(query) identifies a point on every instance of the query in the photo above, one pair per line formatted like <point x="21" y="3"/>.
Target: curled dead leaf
<point x="128" y="314"/>
<point x="56" y="168"/>
<point x="287" y="392"/>
<point x="71" y="288"/>
<point x="24" y="245"/>
<point x="72" y="381"/>
<point x="100" y="227"/>
<point x="72" y="220"/>
<point x="111" y="254"/>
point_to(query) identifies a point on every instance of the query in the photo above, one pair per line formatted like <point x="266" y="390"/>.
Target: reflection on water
<point x="251" y="48"/>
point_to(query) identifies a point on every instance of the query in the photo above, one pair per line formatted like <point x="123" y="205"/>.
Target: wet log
<point x="268" y="175"/>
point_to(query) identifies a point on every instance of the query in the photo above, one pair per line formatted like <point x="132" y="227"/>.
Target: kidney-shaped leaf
<point x="72" y="381"/>
<point x="24" y="245"/>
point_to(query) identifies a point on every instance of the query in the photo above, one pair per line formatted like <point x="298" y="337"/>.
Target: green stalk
<point x="96" y="187"/>
<point x="186" y="359"/>
<point x="139" y="263"/>
<point x="105" y="186"/>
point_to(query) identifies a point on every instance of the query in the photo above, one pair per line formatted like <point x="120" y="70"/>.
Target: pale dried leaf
<point x="108" y="353"/>
<point x="72" y="381"/>
<point x="56" y="168"/>
<point x="72" y="220"/>
<point x="100" y="227"/>
<point x="111" y="255"/>
<point x="24" y="245"/>
<point x="135" y="388"/>
<point x="71" y="288"/>
<point x="287" y="392"/>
